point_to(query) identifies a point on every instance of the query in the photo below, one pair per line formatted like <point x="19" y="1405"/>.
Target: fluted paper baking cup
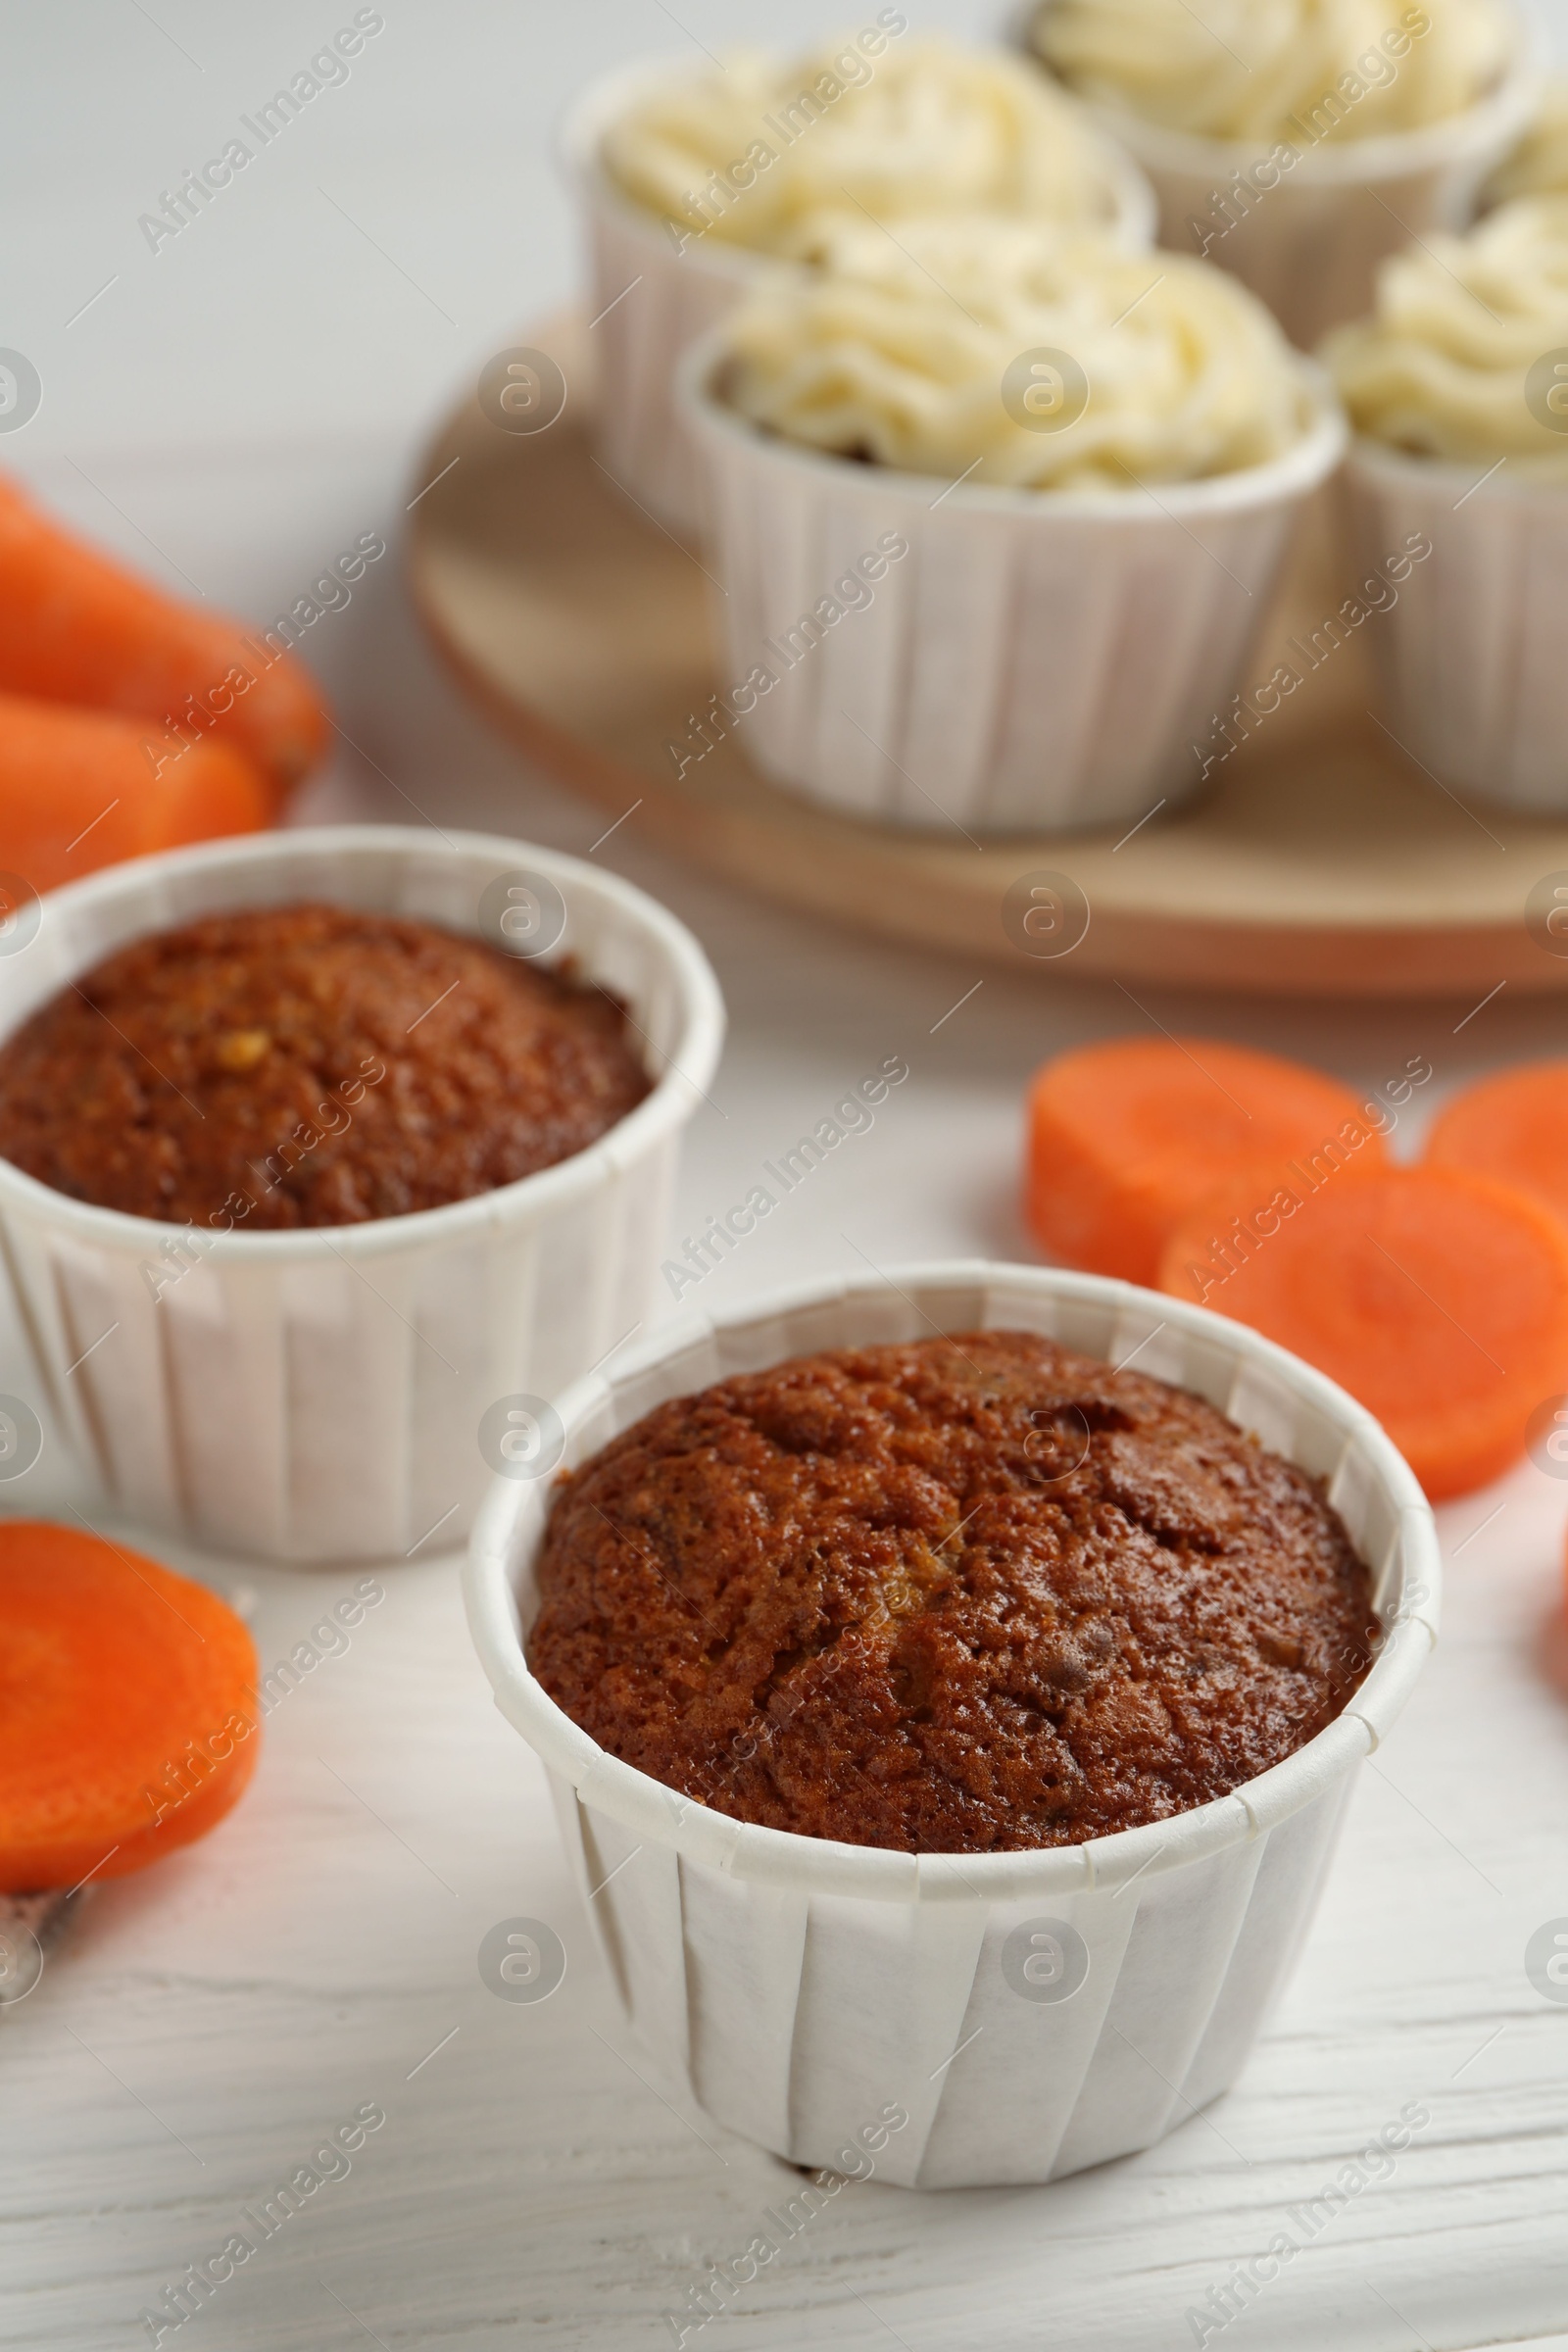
<point x="1469" y="664"/>
<point x="1000" y="660"/>
<point x="319" y="1392"/>
<point x="1308" y="237"/>
<point x="1027" y="2013"/>
<point x="649" y="301"/>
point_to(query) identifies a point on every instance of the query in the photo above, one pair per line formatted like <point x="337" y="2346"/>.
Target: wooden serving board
<point x="1316" y="861"/>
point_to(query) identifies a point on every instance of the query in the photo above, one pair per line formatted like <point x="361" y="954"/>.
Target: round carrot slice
<point x="128" y="1708"/>
<point x="1439" y="1299"/>
<point x="1513" y="1127"/>
<point x="1127" y="1139"/>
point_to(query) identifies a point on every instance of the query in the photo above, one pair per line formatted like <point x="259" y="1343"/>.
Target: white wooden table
<point x="245" y="412"/>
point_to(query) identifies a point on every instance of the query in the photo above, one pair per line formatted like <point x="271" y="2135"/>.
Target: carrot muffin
<point x="310" y="1065"/>
<point x="964" y="1595"/>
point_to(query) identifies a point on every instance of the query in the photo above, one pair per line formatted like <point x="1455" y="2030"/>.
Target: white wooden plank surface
<point x="211" y="2021"/>
<point x="527" y="2187"/>
<point x="244" y="414"/>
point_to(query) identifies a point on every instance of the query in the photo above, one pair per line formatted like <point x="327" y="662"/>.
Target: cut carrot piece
<point x="128" y="1708"/>
<point x="75" y="627"/>
<point x="77" y="790"/>
<point x="1513" y="1127"/>
<point x="1127" y="1139"/>
<point x="1439" y="1299"/>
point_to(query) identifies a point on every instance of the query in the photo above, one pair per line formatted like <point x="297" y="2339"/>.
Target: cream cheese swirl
<point x="779" y="157"/>
<point x="984" y="349"/>
<point x="1538" y="165"/>
<point x="1458" y="360"/>
<point x="1273" y="71"/>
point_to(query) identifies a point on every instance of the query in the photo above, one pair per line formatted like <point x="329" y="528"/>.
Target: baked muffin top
<point x="962" y="1595"/>
<point x="310" y="1065"/>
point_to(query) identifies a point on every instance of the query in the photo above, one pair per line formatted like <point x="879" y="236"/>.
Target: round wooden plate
<point x="1318" y="861"/>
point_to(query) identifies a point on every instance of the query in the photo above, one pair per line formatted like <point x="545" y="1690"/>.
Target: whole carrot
<point x="80" y="789"/>
<point x="76" y="627"/>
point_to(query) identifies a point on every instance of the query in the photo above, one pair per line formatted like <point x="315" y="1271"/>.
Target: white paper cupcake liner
<point x="800" y="1988"/>
<point x="1310" y="243"/>
<point x="1034" y="660"/>
<point x="1469" y="664"/>
<point x="650" y="303"/>
<point x="318" y="1393"/>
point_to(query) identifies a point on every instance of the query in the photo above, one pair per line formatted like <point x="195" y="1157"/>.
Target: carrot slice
<point x="1514" y="1127"/>
<point x="1127" y="1139"/>
<point x="1439" y="1299"/>
<point x="78" y="790"/>
<point x="75" y="627"/>
<point x="128" y="1708"/>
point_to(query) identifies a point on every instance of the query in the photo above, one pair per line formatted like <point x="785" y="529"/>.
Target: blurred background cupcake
<point x="1298" y="145"/>
<point x="996" y="514"/>
<point x="696" y="184"/>
<point x="1537" y="164"/>
<point x="1457" y="387"/>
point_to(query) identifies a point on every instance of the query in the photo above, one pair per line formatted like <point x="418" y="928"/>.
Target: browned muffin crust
<point x="876" y="1596"/>
<point x="310" y="1065"/>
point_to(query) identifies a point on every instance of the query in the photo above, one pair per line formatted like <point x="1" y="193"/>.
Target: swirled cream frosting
<point x="1538" y="165"/>
<point x="982" y="347"/>
<point x="1465" y="356"/>
<point x="1294" y="72"/>
<point x="779" y="157"/>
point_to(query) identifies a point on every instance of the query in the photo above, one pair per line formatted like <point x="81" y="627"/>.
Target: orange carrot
<point x="1514" y="1127"/>
<point x="1127" y="1138"/>
<point x="75" y="627"/>
<point x="128" y="1708"/>
<point x="77" y="790"/>
<point x="1439" y="1299"/>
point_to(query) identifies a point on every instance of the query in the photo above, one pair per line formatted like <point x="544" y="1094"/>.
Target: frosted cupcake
<point x="1457" y="387"/>
<point x="696" y="184"/>
<point x="962" y="482"/>
<point x="1297" y="143"/>
<point x="1538" y="165"/>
